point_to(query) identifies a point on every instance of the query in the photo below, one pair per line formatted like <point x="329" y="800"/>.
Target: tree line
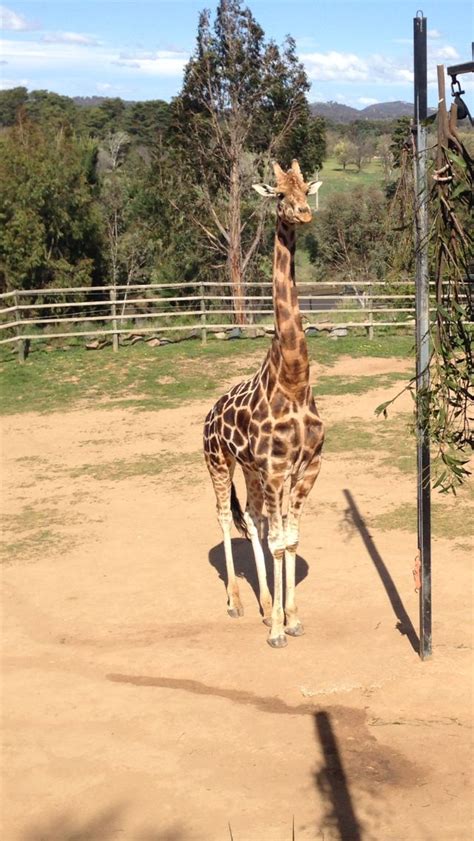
<point x="160" y="192"/>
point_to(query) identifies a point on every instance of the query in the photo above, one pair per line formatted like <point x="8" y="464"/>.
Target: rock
<point x="339" y="331"/>
<point x="154" y="342"/>
<point x="234" y="333"/>
<point x="91" y="345"/>
<point x="220" y="335"/>
<point x="312" y="331"/>
<point x="252" y="332"/>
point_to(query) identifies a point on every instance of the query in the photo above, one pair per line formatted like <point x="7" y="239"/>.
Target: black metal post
<point x="422" y="332"/>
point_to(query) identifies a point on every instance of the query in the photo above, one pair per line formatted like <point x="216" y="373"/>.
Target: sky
<point x="356" y="52"/>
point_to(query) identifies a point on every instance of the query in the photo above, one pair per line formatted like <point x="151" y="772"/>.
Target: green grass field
<point x="336" y="180"/>
<point x="152" y="378"/>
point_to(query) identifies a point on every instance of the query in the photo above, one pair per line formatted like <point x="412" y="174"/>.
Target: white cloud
<point x="8" y="84"/>
<point x="349" y="67"/>
<point x="433" y="33"/>
<point x="12" y="22"/>
<point x="121" y="62"/>
<point x="367" y="100"/>
<point x="71" y="55"/>
<point x="331" y="66"/>
<point x="375" y="69"/>
<point x="444" y="54"/>
<point x="160" y="63"/>
<point x="70" y="38"/>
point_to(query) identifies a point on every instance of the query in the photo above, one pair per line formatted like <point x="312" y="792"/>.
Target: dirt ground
<point x="134" y="708"/>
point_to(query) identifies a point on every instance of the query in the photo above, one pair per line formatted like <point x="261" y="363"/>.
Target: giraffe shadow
<point x="244" y="564"/>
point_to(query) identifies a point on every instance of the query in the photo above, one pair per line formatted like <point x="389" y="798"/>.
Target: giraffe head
<point x="291" y="192"/>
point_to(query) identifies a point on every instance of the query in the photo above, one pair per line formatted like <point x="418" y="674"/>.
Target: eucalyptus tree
<point x="49" y="226"/>
<point x="243" y="102"/>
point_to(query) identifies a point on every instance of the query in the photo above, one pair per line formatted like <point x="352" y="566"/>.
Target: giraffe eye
<point x="280" y="196"/>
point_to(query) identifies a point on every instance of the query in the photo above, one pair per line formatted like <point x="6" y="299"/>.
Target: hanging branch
<point x="447" y="401"/>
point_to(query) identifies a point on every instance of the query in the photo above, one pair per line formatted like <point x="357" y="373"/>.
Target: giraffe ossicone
<point x="270" y="426"/>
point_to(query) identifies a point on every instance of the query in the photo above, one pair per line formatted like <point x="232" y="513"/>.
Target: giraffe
<point x="270" y="426"/>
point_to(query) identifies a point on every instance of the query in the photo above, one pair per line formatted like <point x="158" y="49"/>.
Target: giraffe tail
<point x="237" y="513"/>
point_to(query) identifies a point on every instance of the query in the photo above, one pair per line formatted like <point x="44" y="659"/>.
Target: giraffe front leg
<point x="276" y="543"/>
<point x="293" y="625"/>
<point x="298" y="495"/>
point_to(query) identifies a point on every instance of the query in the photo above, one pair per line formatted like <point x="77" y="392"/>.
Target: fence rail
<point x="28" y="315"/>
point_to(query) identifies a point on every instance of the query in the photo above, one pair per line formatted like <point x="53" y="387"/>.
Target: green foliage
<point x="400" y="139"/>
<point x="443" y="406"/>
<point x="148" y="122"/>
<point x="350" y="235"/>
<point x="11" y="101"/>
<point x="49" y="229"/>
<point x="243" y="102"/>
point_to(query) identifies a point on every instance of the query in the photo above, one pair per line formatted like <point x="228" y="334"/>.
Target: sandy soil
<point x="134" y="708"/>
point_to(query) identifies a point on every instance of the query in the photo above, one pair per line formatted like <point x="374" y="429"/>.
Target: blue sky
<point x="355" y="51"/>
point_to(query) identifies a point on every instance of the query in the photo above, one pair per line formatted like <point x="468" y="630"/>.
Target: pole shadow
<point x="331" y="782"/>
<point x="404" y="624"/>
<point x="245" y="567"/>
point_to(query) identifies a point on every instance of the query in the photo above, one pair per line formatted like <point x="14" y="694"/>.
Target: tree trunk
<point x="235" y="244"/>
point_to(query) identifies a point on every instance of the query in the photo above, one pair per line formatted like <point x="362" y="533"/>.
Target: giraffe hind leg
<point x="221" y="472"/>
<point x="254" y="521"/>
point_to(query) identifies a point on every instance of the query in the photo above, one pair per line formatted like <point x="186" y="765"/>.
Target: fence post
<point x="21" y="342"/>
<point x="371" y="314"/>
<point x="113" y="308"/>
<point x="203" y="316"/>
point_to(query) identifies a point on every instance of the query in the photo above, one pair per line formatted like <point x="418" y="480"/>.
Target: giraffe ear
<point x="264" y="189"/>
<point x="313" y="187"/>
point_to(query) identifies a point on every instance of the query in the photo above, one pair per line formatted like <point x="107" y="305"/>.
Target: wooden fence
<point x="119" y="313"/>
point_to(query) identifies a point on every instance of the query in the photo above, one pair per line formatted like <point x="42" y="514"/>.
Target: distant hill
<point x="338" y="113"/>
<point x="88" y="101"/>
<point x="95" y="101"/>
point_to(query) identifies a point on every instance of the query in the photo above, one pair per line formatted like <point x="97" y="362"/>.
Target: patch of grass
<point x="337" y="180"/>
<point x="463" y="547"/>
<point x="32" y="545"/>
<point x="355" y="385"/>
<point x="348" y="436"/>
<point x="448" y="521"/>
<point x="120" y="469"/>
<point x="390" y="441"/>
<point x="141" y="377"/>
<point x="31" y="518"/>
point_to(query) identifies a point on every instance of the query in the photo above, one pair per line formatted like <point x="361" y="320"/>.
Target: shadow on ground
<point x="105" y="826"/>
<point x="404" y="625"/>
<point x="245" y="567"/>
<point x="333" y="787"/>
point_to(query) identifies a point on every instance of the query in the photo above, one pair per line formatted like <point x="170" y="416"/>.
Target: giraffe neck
<point x="291" y="340"/>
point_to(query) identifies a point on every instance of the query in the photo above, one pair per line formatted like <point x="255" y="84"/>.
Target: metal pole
<point x="422" y="333"/>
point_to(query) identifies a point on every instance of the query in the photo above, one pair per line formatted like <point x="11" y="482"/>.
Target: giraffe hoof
<point x="295" y="630"/>
<point x="277" y="642"/>
<point x="235" y="612"/>
<point x="267" y="620"/>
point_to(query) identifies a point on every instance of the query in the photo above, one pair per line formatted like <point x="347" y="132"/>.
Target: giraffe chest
<point x="265" y="433"/>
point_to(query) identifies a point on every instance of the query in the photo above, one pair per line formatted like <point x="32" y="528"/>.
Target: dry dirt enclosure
<point x="134" y="708"/>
